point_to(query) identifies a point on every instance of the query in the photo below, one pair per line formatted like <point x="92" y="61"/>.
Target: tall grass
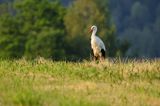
<point x="43" y="82"/>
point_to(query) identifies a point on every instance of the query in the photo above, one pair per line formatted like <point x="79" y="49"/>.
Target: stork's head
<point x="93" y="29"/>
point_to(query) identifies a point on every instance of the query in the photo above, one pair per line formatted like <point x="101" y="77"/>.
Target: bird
<point x="97" y="46"/>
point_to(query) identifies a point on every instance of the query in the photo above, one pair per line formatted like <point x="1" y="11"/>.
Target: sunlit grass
<point x="43" y="82"/>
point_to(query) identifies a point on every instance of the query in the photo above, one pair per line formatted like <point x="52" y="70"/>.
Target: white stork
<point x="97" y="45"/>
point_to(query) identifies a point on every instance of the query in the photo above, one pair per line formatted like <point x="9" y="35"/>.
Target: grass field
<point x="46" y="83"/>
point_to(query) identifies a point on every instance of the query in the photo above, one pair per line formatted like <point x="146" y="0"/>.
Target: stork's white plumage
<point x="97" y="45"/>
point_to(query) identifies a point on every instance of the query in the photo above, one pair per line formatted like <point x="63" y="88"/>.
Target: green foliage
<point x="46" y="44"/>
<point x="36" y="29"/>
<point x="44" y="25"/>
<point x="3" y="8"/>
<point x="12" y="42"/>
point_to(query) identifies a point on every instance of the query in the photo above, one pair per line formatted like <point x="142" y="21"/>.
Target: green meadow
<point x="42" y="82"/>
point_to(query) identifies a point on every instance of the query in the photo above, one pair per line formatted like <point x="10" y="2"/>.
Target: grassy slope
<point x="46" y="83"/>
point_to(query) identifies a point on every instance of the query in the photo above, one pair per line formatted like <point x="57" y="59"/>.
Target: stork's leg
<point x="92" y="52"/>
<point x="95" y="58"/>
<point x="92" y="55"/>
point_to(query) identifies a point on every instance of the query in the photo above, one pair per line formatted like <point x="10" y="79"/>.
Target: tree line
<point x="46" y="28"/>
<point x="138" y="21"/>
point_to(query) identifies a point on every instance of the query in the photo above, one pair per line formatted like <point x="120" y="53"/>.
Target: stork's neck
<point x="93" y="33"/>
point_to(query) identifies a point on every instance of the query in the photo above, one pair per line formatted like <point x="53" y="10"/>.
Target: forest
<point x="138" y="21"/>
<point x="58" y="29"/>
